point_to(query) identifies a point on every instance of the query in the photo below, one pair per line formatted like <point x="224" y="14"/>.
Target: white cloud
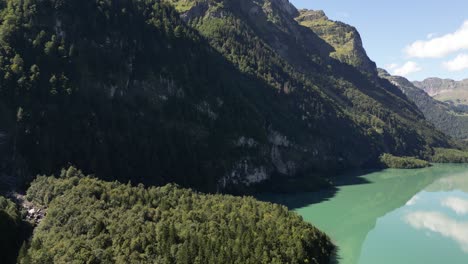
<point x="413" y="200"/>
<point x="459" y="206"/>
<point x="440" y="46"/>
<point x="441" y="224"/>
<point x="431" y="35"/>
<point x="458" y="64"/>
<point x="405" y="69"/>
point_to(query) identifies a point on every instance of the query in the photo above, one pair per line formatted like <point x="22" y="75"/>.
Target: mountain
<point x="214" y="95"/>
<point x="444" y="116"/>
<point x="345" y="39"/>
<point x="446" y="90"/>
<point x="271" y="25"/>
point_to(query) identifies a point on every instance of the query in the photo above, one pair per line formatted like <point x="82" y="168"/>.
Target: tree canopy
<point x="92" y="221"/>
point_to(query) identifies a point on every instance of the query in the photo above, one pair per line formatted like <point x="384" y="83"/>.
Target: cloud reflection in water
<point x="458" y="205"/>
<point x="441" y="224"/>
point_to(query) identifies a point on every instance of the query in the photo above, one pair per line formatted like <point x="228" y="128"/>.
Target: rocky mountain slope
<point x="345" y="39"/>
<point x="446" y="90"/>
<point x="444" y="116"/>
<point x="211" y="94"/>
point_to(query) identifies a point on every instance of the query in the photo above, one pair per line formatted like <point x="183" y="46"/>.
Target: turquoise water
<point x="393" y="216"/>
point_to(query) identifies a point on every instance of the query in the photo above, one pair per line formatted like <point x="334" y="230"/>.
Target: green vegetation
<point x="11" y="236"/>
<point x="135" y="93"/>
<point x="183" y="5"/>
<point x="344" y="39"/>
<point x="92" y="221"/>
<point x="443" y="155"/>
<point x="297" y="66"/>
<point x="130" y="90"/>
<point x="445" y="117"/>
<point x="390" y="161"/>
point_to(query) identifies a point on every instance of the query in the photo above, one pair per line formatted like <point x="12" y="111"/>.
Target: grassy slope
<point x="344" y="39"/>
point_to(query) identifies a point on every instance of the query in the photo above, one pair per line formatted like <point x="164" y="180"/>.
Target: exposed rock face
<point x="244" y="173"/>
<point x="280" y="149"/>
<point x="344" y="38"/>
<point x="446" y="90"/>
<point x="436" y="86"/>
<point x="197" y="11"/>
<point x="34" y="213"/>
<point x="309" y="15"/>
<point x="286" y="7"/>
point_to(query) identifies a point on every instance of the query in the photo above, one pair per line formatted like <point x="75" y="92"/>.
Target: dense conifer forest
<point x="168" y="105"/>
<point x="92" y="221"/>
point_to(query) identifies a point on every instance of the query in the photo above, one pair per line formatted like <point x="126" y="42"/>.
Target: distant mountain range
<point x="446" y="116"/>
<point x="446" y="90"/>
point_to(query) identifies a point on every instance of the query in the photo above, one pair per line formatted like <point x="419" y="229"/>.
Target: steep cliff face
<point x="264" y="39"/>
<point x="443" y="116"/>
<point x="446" y="90"/>
<point x="344" y="39"/>
<point x="436" y="86"/>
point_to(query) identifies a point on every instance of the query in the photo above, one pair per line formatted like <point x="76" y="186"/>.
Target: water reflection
<point x="439" y="223"/>
<point x="451" y="182"/>
<point x="432" y="226"/>
<point x="398" y="216"/>
<point x="458" y="205"/>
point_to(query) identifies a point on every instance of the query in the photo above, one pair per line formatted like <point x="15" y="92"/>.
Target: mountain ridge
<point x="447" y="90"/>
<point x="253" y="18"/>
<point x="345" y="39"/>
<point x="218" y="96"/>
<point x="443" y="115"/>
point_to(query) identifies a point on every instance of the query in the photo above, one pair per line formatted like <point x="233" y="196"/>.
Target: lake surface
<point x="393" y="216"/>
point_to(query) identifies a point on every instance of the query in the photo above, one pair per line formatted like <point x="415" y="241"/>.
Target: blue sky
<point x="416" y="39"/>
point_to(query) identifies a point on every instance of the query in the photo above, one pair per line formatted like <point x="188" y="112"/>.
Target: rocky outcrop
<point x="197" y="11"/>
<point x="34" y="213"/>
<point x="437" y="86"/>
<point x="446" y="90"/>
<point x="244" y="173"/>
<point x="344" y="38"/>
<point x="286" y="7"/>
<point x="310" y="15"/>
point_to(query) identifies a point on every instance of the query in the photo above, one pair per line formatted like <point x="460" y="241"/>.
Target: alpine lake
<point x="393" y="216"/>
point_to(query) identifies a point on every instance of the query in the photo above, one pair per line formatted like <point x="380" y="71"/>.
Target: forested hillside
<point x="219" y="96"/>
<point x="380" y="111"/>
<point x="12" y="231"/>
<point x="446" y="117"/>
<point x="215" y="95"/>
<point x="91" y="221"/>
